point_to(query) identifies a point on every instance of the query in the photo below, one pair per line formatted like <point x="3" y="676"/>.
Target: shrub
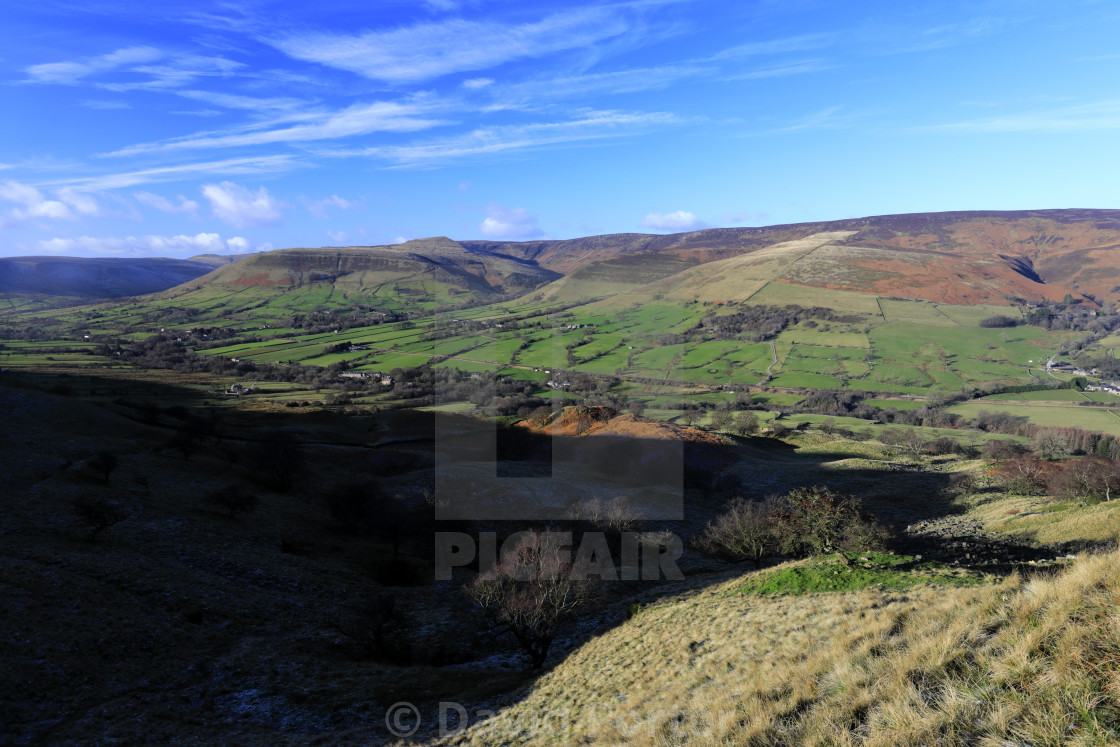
<point x="816" y="520"/>
<point x="614" y="515"/>
<point x="744" y="531"/>
<point x="1023" y="474"/>
<point x="999" y="321"/>
<point x="531" y="594"/>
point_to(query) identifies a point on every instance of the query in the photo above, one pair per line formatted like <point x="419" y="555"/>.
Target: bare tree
<point x="1105" y="476"/>
<point x="1051" y="444"/>
<point x="746" y="423"/>
<point x="721" y="420"/>
<point x="743" y="531"/>
<point x="914" y="442"/>
<point x="530" y="595"/>
<point x="614" y="515"/>
<point x="1024" y="474"/>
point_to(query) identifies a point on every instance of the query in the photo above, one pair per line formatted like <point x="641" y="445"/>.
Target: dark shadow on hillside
<point x="206" y="604"/>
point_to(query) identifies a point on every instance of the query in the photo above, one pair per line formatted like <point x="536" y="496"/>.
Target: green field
<point x="1057" y="415"/>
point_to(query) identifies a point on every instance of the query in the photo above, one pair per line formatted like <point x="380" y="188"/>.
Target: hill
<point x="216" y="260"/>
<point x="96" y="277"/>
<point x="419" y="271"/>
<point x="956" y="257"/>
<point x="1024" y="662"/>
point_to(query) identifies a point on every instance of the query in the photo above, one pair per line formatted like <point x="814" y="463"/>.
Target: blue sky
<point x="172" y="129"/>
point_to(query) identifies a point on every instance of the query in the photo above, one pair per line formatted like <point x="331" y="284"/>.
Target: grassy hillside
<point x="416" y="274"/>
<point x="1022" y="662"/>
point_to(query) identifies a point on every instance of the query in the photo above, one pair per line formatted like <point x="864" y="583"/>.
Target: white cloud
<point x="34" y="204"/>
<point x="431" y="50"/>
<point x="318" y="208"/>
<point x="70" y="73"/>
<point x="241" y="207"/>
<point x="145" y="246"/>
<point x="185" y="206"/>
<point x="489" y="140"/>
<point x="476" y="83"/>
<point x="680" y="220"/>
<point x="508" y="223"/>
<point x="359" y="119"/>
<point x="80" y="201"/>
<point x="338" y="237"/>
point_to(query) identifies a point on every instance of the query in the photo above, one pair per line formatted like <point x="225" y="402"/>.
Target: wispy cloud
<point x="184" y="207"/>
<point x="777" y="71"/>
<point x="73" y="72"/>
<point x="508" y="223"/>
<point x="431" y="50"/>
<point x="130" y="69"/>
<point x="241" y="207"/>
<point x="359" y="119"/>
<point x="614" y="82"/>
<point x="831" y="118"/>
<point x="1096" y="116"/>
<point x="679" y="220"/>
<point x="232" y="166"/>
<point x="319" y="208"/>
<point x="106" y="105"/>
<point x="801" y="43"/>
<point x="491" y="140"/>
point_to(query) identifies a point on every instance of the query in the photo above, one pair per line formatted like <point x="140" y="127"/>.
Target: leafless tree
<point x="743" y="531"/>
<point x="530" y="595"/>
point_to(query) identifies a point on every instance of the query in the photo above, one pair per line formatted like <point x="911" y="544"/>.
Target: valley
<point x="873" y="438"/>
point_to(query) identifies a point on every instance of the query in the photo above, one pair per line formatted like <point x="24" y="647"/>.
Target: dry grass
<point x="1050" y="521"/>
<point x="1027" y="662"/>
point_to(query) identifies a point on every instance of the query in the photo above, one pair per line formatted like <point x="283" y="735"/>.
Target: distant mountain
<point x="95" y="277"/>
<point x="954" y="257"/>
<point x="216" y="260"/>
<point x="432" y="269"/>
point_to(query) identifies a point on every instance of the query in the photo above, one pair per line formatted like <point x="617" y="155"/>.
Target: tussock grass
<point x="1030" y="661"/>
